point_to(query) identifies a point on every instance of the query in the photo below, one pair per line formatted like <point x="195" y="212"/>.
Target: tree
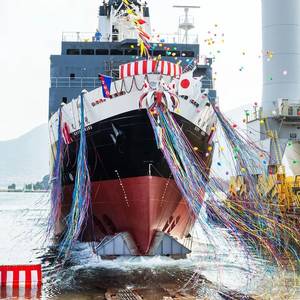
<point x="12" y="187"/>
<point x="28" y="187"/>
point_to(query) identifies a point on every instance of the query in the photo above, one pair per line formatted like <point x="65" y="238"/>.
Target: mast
<point x="113" y="26"/>
<point x="186" y="22"/>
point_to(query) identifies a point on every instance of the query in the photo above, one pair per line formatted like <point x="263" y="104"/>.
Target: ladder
<point x="275" y="146"/>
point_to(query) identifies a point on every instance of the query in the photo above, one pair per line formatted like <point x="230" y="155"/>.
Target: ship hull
<point x="138" y="205"/>
<point x="132" y="186"/>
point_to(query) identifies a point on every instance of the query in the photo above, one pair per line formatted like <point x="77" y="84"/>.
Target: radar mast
<point x="186" y="22"/>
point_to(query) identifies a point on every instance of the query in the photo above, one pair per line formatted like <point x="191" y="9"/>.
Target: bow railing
<point x="93" y="82"/>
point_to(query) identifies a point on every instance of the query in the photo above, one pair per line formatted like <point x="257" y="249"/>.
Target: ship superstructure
<point x="86" y="55"/>
<point x="137" y="208"/>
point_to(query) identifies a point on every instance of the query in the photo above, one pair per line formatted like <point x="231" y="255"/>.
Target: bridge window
<point x="293" y="135"/>
<point x="146" y="12"/>
<point x="177" y="53"/>
<point x="73" y="52"/>
<point x="72" y="76"/>
<point x="116" y="52"/>
<point x="131" y="52"/>
<point x="159" y="52"/>
<point x="290" y="111"/>
<point x="102" y="52"/>
<point x="187" y="54"/>
<point x="87" y="52"/>
<point x="115" y="73"/>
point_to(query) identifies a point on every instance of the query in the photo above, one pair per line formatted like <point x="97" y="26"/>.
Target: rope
<point x="248" y="218"/>
<point x="81" y="202"/>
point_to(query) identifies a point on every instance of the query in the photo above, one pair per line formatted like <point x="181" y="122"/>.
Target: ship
<point x="137" y="209"/>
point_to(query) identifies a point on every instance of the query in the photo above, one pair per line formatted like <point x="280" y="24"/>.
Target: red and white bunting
<point x="21" y="276"/>
<point x="144" y="67"/>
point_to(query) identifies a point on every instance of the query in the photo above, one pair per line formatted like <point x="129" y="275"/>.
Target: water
<point x="219" y="271"/>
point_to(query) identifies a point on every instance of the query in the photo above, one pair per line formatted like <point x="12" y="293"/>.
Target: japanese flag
<point x="189" y="86"/>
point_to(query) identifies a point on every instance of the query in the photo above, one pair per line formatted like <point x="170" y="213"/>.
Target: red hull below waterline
<point x="140" y="206"/>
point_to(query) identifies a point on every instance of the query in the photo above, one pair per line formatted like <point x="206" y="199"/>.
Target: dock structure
<point x="275" y="126"/>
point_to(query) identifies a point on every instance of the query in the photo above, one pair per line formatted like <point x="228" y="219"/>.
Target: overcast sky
<point x="31" y="30"/>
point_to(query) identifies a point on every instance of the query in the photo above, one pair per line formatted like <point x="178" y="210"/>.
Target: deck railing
<point x="155" y="38"/>
<point x="93" y="82"/>
<point x="78" y="82"/>
<point x="186" y="20"/>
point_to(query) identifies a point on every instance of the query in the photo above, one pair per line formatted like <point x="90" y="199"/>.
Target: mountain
<point x="25" y="159"/>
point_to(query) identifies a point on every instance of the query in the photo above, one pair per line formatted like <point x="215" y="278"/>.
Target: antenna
<point x="186" y="23"/>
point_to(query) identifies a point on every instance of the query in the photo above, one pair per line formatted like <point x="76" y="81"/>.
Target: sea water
<point x="216" y="270"/>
